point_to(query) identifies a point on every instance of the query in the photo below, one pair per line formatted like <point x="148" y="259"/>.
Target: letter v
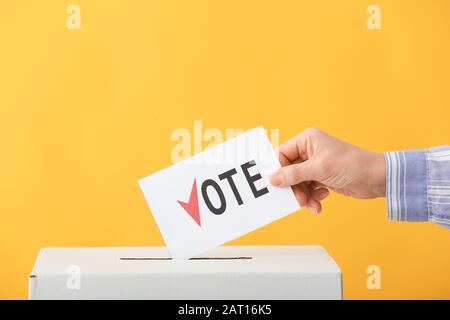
<point x="191" y="207"/>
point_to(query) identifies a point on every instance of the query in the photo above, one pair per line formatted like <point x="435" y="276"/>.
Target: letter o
<point x="223" y="205"/>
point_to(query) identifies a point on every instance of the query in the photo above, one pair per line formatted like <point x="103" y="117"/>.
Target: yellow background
<point x="85" y="114"/>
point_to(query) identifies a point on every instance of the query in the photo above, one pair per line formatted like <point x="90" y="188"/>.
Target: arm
<point x="415" y="183"/>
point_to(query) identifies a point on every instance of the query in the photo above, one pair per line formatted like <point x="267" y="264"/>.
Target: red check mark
<point x="191" y="207"/>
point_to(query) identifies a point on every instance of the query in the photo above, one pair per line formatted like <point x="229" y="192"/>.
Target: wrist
<point x="378" y="175"/>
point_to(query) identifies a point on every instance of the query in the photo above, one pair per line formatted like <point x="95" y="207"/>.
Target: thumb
<point x="294" y="174"/>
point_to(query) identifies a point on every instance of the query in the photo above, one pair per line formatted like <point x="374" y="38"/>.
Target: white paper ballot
<point x="217" y="195"/>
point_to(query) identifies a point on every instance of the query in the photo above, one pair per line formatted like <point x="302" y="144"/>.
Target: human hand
<point x="314" y="162"/>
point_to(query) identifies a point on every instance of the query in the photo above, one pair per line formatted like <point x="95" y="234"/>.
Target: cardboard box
<point x="261" y="272"/>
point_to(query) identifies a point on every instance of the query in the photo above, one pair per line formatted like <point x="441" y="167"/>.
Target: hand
<point x="314" y="162"/>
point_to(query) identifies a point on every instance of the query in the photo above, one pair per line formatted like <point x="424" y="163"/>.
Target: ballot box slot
<point x="197" y="258"/>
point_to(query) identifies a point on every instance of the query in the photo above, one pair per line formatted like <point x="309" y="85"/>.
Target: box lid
<point x="225" y="259"/>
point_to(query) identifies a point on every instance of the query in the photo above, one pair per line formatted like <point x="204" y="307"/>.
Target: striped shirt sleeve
<point x="418" y="185"/>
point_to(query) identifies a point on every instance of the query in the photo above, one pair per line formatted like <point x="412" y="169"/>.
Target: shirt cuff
<point x="406" y="185"/>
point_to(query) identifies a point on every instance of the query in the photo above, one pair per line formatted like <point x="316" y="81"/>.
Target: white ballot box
<point x="227" y="272"/>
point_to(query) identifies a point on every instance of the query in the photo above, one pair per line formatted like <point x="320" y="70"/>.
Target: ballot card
<point x="217" y="195"/>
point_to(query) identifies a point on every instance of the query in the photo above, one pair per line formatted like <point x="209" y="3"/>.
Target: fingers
<point x="320" y="194"/>
<point x="294" y="174"/>
<point x="309" y="197"/>
<point x="284" y="161"/>
<point x="314" y="200"/>
<point x="301" y="193"/>
<point x="299" y="171"/>
<point x="300" y="146"/>
<point x="296" y="147"/>
<point x="314" y="205"/>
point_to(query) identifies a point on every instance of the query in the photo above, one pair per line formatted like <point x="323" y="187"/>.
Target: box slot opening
<point x="198" y="258"/>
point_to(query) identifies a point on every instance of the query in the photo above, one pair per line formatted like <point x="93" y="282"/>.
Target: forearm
<point x="418" y="185"/>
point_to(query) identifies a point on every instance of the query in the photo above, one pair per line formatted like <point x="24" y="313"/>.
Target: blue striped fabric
<point x="418" y="185"/>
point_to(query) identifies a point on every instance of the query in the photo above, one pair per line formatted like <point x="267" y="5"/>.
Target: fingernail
<point x="275" y="179"/>
<point x="322" y="195"/>
<point x="312" y="209"/>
